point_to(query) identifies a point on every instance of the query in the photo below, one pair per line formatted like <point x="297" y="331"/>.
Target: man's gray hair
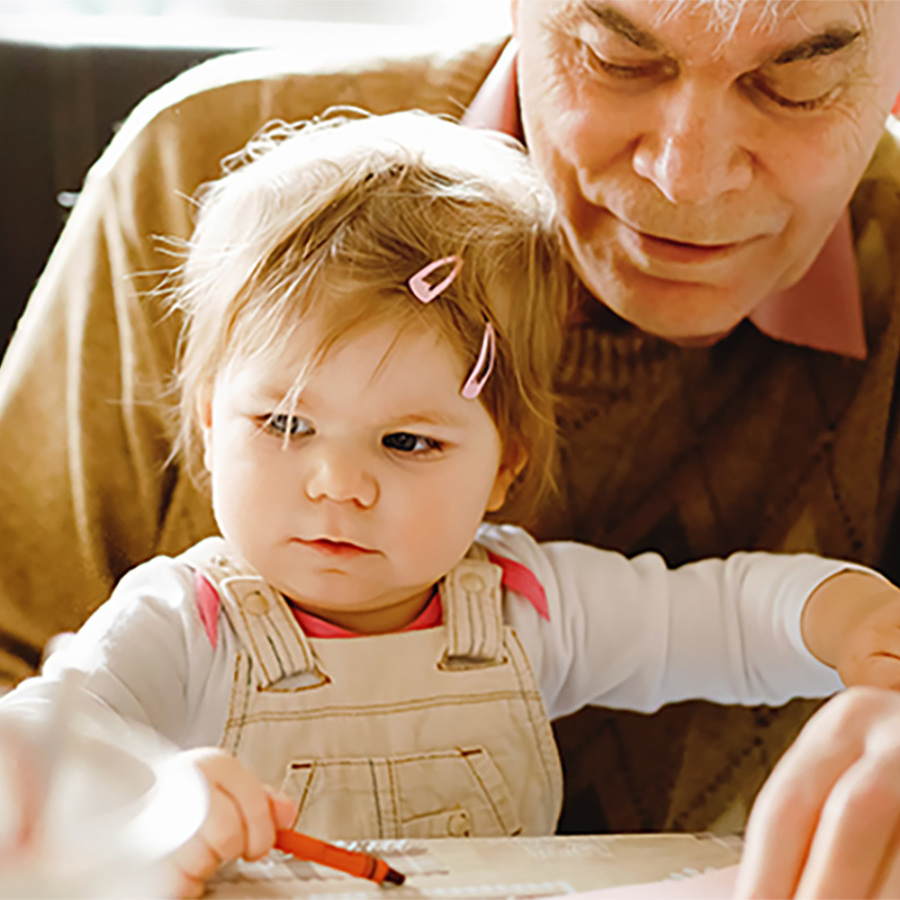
<point x="726" y="14"/>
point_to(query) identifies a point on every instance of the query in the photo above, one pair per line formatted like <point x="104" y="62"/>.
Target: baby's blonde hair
<point x="331" y="218"/>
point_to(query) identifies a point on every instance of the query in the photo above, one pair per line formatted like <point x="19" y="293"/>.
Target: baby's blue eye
<point x="404" y="442"/>
<point x="285" y="425"/>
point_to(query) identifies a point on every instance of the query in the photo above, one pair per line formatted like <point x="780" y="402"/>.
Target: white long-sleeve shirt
<point x="624" y="633"/>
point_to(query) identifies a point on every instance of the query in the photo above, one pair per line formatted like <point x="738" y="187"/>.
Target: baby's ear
<point x="511" y="465"/>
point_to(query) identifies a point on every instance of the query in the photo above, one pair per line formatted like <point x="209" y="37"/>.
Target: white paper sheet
<point x="489" y="868"/>
<point x="715" y="884"/>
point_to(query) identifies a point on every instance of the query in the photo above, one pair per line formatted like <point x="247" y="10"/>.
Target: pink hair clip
<point x="422" y="289"/>
<point x="475" y="382"/>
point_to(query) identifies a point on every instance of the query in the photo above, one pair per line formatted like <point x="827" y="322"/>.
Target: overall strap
<point x="472" y="598"/>
<point x="258" y="613"/>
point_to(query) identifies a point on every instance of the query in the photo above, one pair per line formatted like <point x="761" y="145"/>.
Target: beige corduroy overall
<point x="431" y="733"/>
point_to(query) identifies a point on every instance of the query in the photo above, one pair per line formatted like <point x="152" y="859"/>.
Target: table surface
<point x="485" y="868"/>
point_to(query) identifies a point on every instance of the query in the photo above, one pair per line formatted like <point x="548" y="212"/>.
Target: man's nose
<point x="340" y="475"/>
<point x="693" y="152"/>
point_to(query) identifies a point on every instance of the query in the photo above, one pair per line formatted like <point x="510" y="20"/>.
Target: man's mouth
<point x="653" y="250"/>
<point x="693" y="245"/>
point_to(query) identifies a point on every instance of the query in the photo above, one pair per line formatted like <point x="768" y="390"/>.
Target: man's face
<point x="701" y="163"/>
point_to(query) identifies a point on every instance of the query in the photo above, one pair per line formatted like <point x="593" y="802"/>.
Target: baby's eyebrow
<point x="272" y="395"/>
<point x="831" y="41"/>
<point x="427" y="417"/>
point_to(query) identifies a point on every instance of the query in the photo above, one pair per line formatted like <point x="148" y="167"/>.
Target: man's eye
<point x="284" y="425"/>
<point x="404" y="442"/>
<point x="806" y="88"/>
<point x="790" y="103"/>
<point x="623" y="71"/>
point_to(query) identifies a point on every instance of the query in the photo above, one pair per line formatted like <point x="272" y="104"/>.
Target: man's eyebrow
<point x="824" y="44"/>
<point x="623" y="26"/>
<point x="833" y="40"/>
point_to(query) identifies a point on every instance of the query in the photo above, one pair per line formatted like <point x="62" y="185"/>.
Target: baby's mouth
<point x="335" y="547"/>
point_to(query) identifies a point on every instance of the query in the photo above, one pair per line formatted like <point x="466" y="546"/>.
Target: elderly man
<point x="730" y="198"/>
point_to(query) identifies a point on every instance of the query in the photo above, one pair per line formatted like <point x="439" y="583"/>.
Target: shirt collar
<point x="514" y="577"/>
<point x="823" y="310"/>
<point x="430" y="616"/>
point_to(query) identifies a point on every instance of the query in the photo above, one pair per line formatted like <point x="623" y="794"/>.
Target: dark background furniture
<point x="59" y="107"/>
<point x="67" y="81"/>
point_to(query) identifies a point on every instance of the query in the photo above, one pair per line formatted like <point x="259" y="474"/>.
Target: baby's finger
<point x="251" y="802"/>
<point x="195" y="862"/>
<point x="224" y="829"/>
<point x="871" y="655"/>
<point x="881" y="670"/>
<point x="213" y="843"/>
<point x="187" y="888"/>
<point x="283" y="809"/>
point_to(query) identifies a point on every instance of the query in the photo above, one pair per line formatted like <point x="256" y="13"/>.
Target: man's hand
<point x="851" y="622"/>
<point x="242" y="820"/>
<point x="827" y="822"/>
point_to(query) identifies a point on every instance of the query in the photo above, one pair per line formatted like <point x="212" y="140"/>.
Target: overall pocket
<point x="451" y="793"/>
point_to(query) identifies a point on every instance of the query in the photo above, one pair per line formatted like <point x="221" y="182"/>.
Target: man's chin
<point x="688" y="314"/>
<point x="699" y="342"/>
<point x="688" y="331"/>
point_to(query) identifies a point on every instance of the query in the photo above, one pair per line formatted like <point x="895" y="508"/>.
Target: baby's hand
<point x="242" y="820"/>
<point x="852" y="623"/>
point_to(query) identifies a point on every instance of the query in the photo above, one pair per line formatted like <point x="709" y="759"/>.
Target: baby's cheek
<point x="428" y="531"/>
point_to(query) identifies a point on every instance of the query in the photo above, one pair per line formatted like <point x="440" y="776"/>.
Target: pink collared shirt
<point x="822" y="311"/>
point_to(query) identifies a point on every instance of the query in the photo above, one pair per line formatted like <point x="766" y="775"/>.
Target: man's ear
<point x="204" y="416"/>
<point x="510" y="466"/>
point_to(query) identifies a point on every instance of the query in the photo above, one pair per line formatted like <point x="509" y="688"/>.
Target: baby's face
<point x="378" y="490"/>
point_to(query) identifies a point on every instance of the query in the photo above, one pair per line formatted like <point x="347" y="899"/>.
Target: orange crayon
<point x="362" y="865"/>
